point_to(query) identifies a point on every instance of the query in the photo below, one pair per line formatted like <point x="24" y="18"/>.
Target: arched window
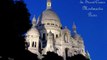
<point x="43" y="36"/>
<point x="66" y="38"/>
<point x="52" y="24"/>
<point x="35" y="44"/>
<point x="75" y="51"/>
<point x="48" y="23"/>
<point x="56" y="35"/>
<point x="56" y="25"/>
<point x="66" y="51"/>
<point x="32" y="44"/>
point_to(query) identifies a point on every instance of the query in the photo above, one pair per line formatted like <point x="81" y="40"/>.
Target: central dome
<point x="49" y="21"/>
<point x="49" y="15"/>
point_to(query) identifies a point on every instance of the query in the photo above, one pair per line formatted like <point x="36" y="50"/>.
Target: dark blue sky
<point x="92" y="29"/>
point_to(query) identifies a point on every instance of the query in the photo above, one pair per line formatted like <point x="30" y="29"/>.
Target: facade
<point x="47" y="35"/>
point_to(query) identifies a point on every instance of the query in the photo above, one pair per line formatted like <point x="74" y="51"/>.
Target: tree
<point x="14" y="23"/>
<point x="77" y="57"/>
<point x="52" y="56"/>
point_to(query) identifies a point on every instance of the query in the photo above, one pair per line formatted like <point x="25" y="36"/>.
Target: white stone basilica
<point x="47" y="35"/>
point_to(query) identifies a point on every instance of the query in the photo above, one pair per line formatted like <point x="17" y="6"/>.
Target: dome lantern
<point x="48" y="4"/>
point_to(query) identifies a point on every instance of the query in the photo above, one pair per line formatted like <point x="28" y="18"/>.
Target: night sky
<point x="92" y="29"/>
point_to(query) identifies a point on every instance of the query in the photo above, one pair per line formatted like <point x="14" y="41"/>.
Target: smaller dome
<point x="76" y="36"/>
<point x="33" y="31"/>
<point x="66" y="29"/>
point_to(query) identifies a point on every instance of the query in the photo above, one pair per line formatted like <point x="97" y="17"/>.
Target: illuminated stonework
<point x="47" y="35"/>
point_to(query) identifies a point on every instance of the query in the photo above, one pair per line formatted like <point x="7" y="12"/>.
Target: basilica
<point x="48" y="35"/>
